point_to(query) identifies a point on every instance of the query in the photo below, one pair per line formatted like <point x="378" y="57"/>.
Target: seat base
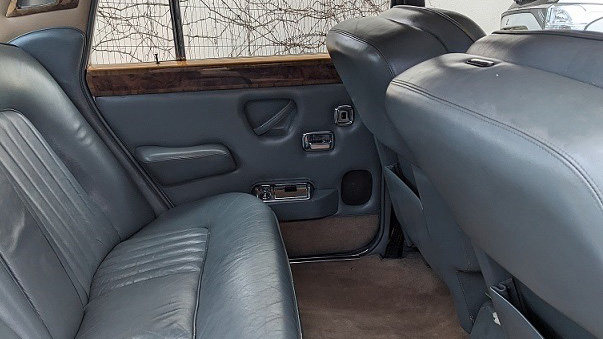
<point x="215" y="268"/>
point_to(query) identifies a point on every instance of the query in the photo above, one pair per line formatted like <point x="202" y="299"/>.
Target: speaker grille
<point x="356" y="187"/>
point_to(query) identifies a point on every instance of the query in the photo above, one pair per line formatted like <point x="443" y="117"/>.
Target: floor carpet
<point x="374" y="298"/>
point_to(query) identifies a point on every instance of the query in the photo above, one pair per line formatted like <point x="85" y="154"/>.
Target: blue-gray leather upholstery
<point x="515" y="151"/>
<point x="368" y="53"/>
<point x="83" y="255"/>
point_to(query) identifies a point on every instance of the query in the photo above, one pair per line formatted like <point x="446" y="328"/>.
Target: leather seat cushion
<point x="211" y="269"/>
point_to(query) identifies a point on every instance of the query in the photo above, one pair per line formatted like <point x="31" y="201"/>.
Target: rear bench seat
<point x="82" y="254"/>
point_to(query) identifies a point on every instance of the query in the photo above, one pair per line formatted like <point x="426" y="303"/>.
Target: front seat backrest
<point x="369" y="52"/>
<point x="513" y="144"/>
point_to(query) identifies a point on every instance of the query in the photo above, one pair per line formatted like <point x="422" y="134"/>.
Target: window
<point x="132" y="31"/>
<point x="141" y="31"/>
<point x="485" y="13"/>
<point x="492" y="15"/>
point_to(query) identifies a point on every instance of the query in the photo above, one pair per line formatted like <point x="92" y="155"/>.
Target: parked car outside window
<point x="581" y="15"/>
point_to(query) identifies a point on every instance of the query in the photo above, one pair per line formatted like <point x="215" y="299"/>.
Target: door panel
<point x="209" y="127"/>
<point x="179" y="120"/>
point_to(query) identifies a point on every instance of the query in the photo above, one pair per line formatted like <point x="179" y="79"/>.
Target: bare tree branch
<point x="134" y="30"/>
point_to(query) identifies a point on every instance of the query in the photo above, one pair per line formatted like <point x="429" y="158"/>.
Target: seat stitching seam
<point x="160" y="235"/>
<point x="170" y="245"/>
<point x="458" y="278"/>
<point x="50" y="154"/>
<point x="101" y="294"/>
<point x="43" y="224"/>
<point x="196" y="312"/>
<point x="507" y="60"/>
<point x="62" y="206"/>
<point x="132" y="274"/>
<point x="554" y="151"/>
<point x="149" y="257"/>
<point x="129" y="280"/>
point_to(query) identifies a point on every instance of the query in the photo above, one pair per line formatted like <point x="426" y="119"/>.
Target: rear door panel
<point x="219" y="117"/>
<point x="251" y="125"/>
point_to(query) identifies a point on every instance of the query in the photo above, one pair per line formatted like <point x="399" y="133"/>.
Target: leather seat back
<point x="27" y="88"/>
<point x="369" y="52"/>
<point x="514" y="148"/>
<point x="65" y="203"/>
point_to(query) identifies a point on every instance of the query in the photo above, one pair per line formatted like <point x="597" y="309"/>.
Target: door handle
<point x="318" y="141"/>
<point x="278" y="117"/>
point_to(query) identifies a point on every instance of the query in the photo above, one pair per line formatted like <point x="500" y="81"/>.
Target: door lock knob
<point x="344" y="115"/>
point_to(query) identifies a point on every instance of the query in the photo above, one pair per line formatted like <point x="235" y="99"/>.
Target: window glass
<point x="132" y="31"/>
<point x="246" y="28"/>
<point x="135" y="30"/>
<point x="531" y="15"/>
<point x="486" y="13"/>
<point x="580" y="15"/>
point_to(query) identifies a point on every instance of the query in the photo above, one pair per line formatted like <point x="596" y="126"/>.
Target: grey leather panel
<point x="520" y="169"/>
<point x="212" y="117"/>
<point x="156" y="308"/>
<point x="72" y="139"/>
<point x="373" y="50"/>
<point x="172" y="165"/>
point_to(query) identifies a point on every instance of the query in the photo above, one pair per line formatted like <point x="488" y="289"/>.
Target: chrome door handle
<point x="318" y="141"/>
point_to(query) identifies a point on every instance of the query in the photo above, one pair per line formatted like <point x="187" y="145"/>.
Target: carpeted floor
<point x="374" y="298"/>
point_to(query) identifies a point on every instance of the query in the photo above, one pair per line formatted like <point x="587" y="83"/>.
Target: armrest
<point x="173" y="165"/>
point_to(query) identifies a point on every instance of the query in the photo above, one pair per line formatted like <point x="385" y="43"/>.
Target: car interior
<point x="301" y="169"/>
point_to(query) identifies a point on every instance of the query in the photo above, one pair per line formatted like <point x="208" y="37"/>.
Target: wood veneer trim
<point x="217" y="74"/>
<point x="143" y="66"/>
